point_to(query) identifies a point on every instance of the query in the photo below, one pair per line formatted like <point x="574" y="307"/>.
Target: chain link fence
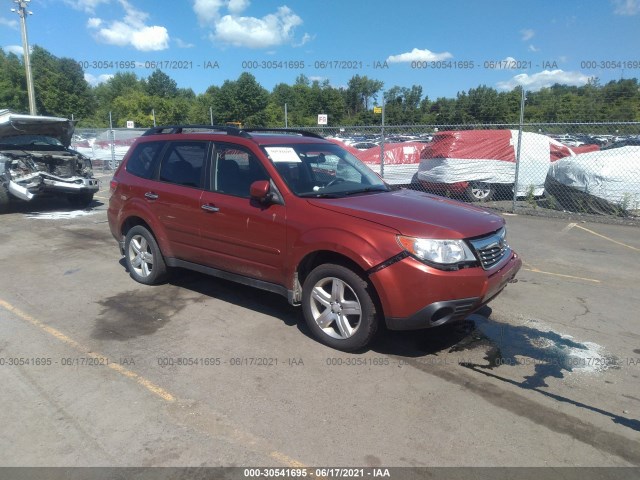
<point x="582" y="168"/>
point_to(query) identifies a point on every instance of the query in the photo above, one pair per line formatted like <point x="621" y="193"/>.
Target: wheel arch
<point x="135" y="220"/>
<point x="323" y="257"/>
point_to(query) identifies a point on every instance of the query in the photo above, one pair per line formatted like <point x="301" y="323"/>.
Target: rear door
<point x="175" y="196"/>
<point x="240" y="235"/>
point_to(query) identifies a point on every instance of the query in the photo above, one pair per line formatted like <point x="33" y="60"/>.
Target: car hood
<point x="417" y="214"/>
<point x="12" y="124"/>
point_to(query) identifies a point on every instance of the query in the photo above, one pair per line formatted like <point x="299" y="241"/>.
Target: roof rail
<point x="304" y="133"/>
<point x="173" y="129"/>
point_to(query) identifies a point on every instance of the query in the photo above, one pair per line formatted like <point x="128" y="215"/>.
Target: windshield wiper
<point x="366" y="190"/>
<point x="320" y="195"/>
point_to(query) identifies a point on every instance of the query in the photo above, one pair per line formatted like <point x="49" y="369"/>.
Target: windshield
<point x="30" y="140"/>
<point x="323" y="170"/>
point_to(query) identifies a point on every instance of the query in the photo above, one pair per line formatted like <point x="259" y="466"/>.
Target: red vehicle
<point x="294" y="214"/>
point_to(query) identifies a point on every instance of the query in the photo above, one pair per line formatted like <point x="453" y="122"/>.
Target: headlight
<point x="439" y="252"/>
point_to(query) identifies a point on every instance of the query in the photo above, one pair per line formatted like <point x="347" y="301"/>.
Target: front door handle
<point x="209" y="208"/>
<point x="151" y="196"/>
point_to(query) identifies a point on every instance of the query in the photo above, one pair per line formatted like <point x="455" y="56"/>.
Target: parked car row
<point x="107" y="147"/>
<point x="480" y="165"/>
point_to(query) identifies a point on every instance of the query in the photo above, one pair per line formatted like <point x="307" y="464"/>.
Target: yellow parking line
<point x="605" y="237"/>
<point x="246" y="439"/>
<point x="285" y="460"/>
<point x="156" y="390"/>
<point x="533" y="269"/>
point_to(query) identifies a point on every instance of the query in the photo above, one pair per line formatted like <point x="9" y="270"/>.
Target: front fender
<point x="361" y="248"/>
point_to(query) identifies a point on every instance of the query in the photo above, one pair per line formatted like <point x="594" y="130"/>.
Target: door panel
<point x="175" y="196"/>
<point x="240" y="235"/>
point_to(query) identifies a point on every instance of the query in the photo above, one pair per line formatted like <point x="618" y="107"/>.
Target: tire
<point x="328" y="292"/>
<point x="80" y="200"/>
<point x="479" y="192"/>
<point x="415" y="183"/>
<point x="4" y="199"/>
<point x="143" y="257"/>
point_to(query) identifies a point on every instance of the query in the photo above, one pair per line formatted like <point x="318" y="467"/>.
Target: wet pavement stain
<point x="532" y="344"/>
<point x="80" y="236"/>
<point x="135" y="313"/>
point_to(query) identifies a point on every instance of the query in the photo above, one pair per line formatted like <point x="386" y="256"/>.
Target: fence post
<point x="382" y="141"/>
<point x="112" y="137"/>
<point x="515" y="183"/>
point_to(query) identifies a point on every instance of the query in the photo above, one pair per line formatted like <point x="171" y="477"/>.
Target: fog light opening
<point x="441" y="315"/>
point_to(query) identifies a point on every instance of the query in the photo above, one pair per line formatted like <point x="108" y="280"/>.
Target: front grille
<point x="491" y="249"/>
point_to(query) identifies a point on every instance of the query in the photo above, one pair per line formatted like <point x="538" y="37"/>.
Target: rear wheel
<point x="479" y="192"/>
<point x="338" y="307"/>
<point x="143" y="257"/>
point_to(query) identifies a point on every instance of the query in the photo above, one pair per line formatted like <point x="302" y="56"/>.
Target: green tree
<point x="59" y="85"/>
<point x="13" y="84"/>
<point x="360" y="92"/>
<point x="160" y="84"/>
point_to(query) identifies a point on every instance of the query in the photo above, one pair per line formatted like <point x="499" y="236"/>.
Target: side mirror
<point x="260" y="191"/>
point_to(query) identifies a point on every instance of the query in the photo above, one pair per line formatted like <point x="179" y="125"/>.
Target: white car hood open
<point x="12" y="124"/>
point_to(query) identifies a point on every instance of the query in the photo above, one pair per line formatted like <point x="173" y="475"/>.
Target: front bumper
<point x="416" y="296"/>
<point x="39" y="184"/>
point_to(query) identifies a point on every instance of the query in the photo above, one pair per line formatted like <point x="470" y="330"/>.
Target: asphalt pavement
<point x="98" y="370"/>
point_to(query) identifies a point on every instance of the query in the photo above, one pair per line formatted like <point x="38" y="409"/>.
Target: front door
<point x="240" y="235"/>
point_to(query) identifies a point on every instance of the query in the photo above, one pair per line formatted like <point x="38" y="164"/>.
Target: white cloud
<point x="207" y="10"/>
<point x="16" y="49"/>
<point x="269" y="31"/>
<point x="182" y="44"/>
<point x="238" y="6"/>
<point x="527" y="34"/>
<point x="88" y="6"/>
<point x="626" y="7"/>
<point x="11" y="23"/>
<point x="94" y="80"/>
<point x="131" y="30"/>
<point x="544" y="79"/>
<point x="507" y="63"/>
<point x="306" y="38"/>
<point x="419" y="56"/>
<point x="532" y="48"/>
<point x="94" y="22"/>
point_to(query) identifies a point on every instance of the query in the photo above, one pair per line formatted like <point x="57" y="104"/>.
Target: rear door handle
<point x="151" y="196"/>
<point x="209" y="208"/>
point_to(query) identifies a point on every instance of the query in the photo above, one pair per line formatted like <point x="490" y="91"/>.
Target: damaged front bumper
<point x="28" y="186"/>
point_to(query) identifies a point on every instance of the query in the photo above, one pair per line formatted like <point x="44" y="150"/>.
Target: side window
<point x="183" y="163"/>
<point x="235" y="170"/>
<point x="142" y="162"/>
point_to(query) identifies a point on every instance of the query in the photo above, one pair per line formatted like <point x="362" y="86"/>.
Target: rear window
<point x="183" y="163"/>
<point x="142" y="162"/>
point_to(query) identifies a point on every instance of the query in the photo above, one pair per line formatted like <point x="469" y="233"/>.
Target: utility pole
<point x="22" y="11"/>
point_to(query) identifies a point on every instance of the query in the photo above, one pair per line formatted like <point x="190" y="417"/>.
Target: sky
<point x="444" y="46"/>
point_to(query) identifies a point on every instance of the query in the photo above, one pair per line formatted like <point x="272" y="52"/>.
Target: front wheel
<point x="479" y="192"/>
<point x="143" y="257"/>
<point x="338" y="307"/>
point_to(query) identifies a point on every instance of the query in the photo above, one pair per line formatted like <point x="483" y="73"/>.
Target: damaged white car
<point x="35" y="161"/>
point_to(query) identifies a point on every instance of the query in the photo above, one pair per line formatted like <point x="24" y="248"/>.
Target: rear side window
<point x="142" y="162"/>
<point x="183" y="163"/>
